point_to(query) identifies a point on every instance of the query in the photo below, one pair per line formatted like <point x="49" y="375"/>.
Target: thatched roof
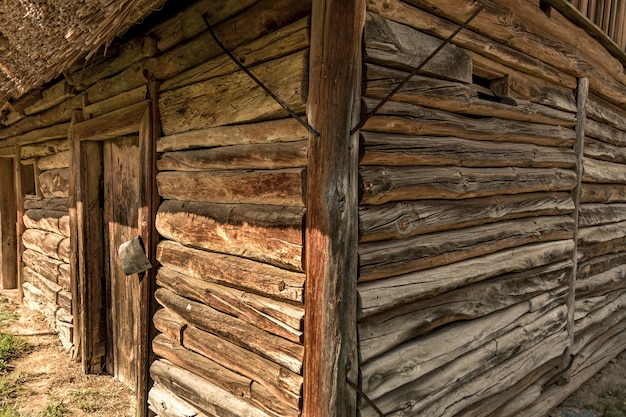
<point x="40" y="38"/>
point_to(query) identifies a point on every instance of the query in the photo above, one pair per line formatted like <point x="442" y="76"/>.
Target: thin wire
<point x="365" y="397"/>
<point x="415" y="71"/>
<point x="256" y="80"/>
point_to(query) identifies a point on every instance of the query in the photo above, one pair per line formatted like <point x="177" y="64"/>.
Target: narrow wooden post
<point x="332" y="203"/>
<point x="581" y="116"/>
<point x="8" y="231"/>
<point x="19" y="211"/>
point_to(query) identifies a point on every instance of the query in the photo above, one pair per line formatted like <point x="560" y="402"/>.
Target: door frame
<point x="8" y="223"/>
<point x="86" y="220"/>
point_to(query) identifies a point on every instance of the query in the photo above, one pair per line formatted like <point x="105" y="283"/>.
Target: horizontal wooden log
<point x="382" y="295"/>
<point x="230" y="301"/>
<point x="599" y="193"/>
<point x="597" y="323"/>
<point x="599" y="234"/>
<point x="469" y="39"/>
<point x="605" y="133"/>
<point x="597" y="213"/>
<point x="54" y="183"/>
<point x="59" y="160"/>
<point x="387" y="184"/>
<point x="125" y="81"/>
<point x="201" y="393"/>
<point x="117" y="123"/>
<point x="284" y="384"/>
<point x="258" y="156"/>
<point x="54" y="204"/>
<point x="50" y="97"/>
<point x="263" y="398"/>
<point x="384" y="259"/>
<point x="585" y="304"/>
<point x="201" y="366"/>
<point x="164" y="403"/>
<point x="603" y="151"/>
<point x="409" y="218"/>
<point x="600" y="264"/>
<point x="276" y="187"/>
<point x="276" y="349"/>
<point x="432" y="358"/>
<point x="601" y="283"/>
<point x="120" y="101"/>
<point x="596" y="171"/>
<point x="49" y="289"/>
<point x="507" y="82"/>
<point x="405" y="150"/>
<point x="49" y="244"/>
<point x="380" y="333"/>
<point x="286" y="41"/>
<point x="392" y="44"/>
<point x="200" y="105"/>
<point x="273" y="131"/>
<point x="427" y="92"/>
<point x="604" y="112"/>
<point x="65" y="277"/>
<point x="169" y="324"/>
<point x="267" y="234"/>
<point x="409" y="119"/>
<point x="257" y="277"/>
<point x="47" y="220"/>
<point x="43" y="149"/>
<point x="45" y="266"/>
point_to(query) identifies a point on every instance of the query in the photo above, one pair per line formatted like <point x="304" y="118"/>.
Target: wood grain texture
<point x="8" y="222"/>
<point x="48" y="220"/>
<point x="50" y="244"/>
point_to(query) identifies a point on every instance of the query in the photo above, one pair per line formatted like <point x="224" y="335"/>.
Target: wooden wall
<point x="468" y="233"/>
<point x="231" y="176"/>
<point x="35" y="129"/>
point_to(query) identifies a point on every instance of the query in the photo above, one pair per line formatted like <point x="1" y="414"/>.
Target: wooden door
<point x="122" y="204"/>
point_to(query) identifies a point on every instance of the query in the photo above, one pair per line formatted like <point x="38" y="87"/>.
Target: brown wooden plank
<point x="117" y="123"/>
<point x="8" y="221"/>
<point x="19" y="212"/>
<point x="331" y="221"/>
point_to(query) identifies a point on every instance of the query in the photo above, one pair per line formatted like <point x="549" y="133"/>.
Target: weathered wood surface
<point x="600" y="264"/>
<point x="276" y="187"/>
<point x="273" y="131"/>
<point x="410" y="119"/>
<point x="281" y="351"/>
<point x="125" y="81"/>
<point x="405" y="150"/>
<point x="43" y="149"/>
<point x="54" y="183"/>
<point x="457" y="353"/>
<point x="284" y="41"/>
<point x="49" y="289"/>
<point x="604" y="112"/>
<point x="201" y="366"/>
<point x="599" y="213"/>
<point x="231" y="301"/>
<point x="8" y="225"/>
<point x="120" y="101"/>
<point x="231" y="270"/>
<point x="409" y="218"/>
<point x="47" y="267"/>
<point x="56" y="161"/>
<point x="599" y="193"/>
<point x="393" y="44"/>
<point x="49" y="244"/>
<point x="387" y="184"/>
<point x="384" y="259"/>
<point x="258" y="156"/>
<point x="380" y="333"/>
<point x="199" y="392"/>
<point x="603" y="151"/>
<point x="282" y="383"/>
<point x="603" y="172"/>
<point x="166" y="404"/>
<point x="457" y="98"/>
<point x="381" y="295"/>
<point x="47" y="220"/>
<point x="50" y="97"/>
<point x="605" y="133"/>
<point x="111" y="125"/>
<point x="267" y="234"/>
<point x="469" y="39"/>
<point x="198" y="106"/>
<point x="54" y="204"/>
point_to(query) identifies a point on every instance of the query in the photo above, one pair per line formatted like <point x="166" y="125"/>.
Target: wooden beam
<point x="8" y="232"/>
<point x="19" y="211"/>
<point x="332" y="223"/>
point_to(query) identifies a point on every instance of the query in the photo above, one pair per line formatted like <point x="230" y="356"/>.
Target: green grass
<point x="6" y="315"/>
<point x="11" y="347"/>
<point x="54" y="409"/>
<point x="611" y="403"/>
<point x="9" y="411"/>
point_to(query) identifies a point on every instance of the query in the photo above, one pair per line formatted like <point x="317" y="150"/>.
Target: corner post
<point x="331" y="236"/>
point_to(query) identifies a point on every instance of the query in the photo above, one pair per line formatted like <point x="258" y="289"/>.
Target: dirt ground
<point x="45" y="382"/>
<point x="50" y="384"/>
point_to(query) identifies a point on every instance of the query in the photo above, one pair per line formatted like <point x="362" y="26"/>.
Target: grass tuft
<point x="11" y="347"/>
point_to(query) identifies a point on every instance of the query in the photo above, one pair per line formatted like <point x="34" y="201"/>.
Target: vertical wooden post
<point x="19" y="212"/>
<point x="581" y="116"/>
<point x="8" y="230"/>
<point x="332" y="204"/>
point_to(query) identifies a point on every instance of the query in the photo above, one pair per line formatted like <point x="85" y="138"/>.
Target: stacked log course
<point x="480" y="294"/>
<point x="231" y="175"/>
<point x="36" y="127"/>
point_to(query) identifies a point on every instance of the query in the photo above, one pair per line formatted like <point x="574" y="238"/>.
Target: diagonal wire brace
<point x="256" y="80"/>
<point x="415" y="71"/>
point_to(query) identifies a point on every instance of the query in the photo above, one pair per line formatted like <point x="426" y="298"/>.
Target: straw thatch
<point x="40" y="38"/>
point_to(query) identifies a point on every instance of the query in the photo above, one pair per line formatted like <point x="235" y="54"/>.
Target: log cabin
<point x="349" y="207"/>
